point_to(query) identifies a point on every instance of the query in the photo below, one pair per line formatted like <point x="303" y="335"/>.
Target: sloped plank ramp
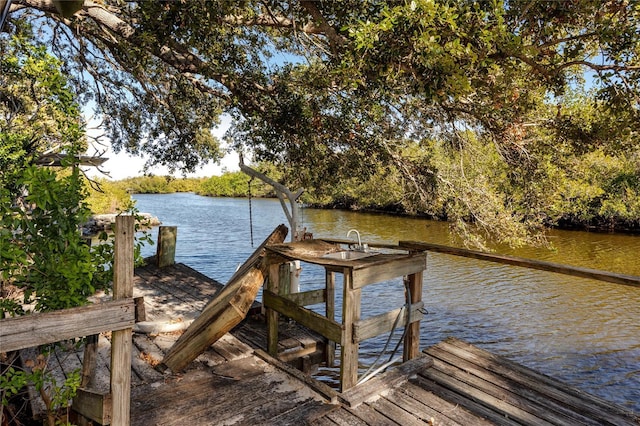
<point x="228" y="307"/>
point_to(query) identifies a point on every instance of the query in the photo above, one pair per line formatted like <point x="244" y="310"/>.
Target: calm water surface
<point x="584" y="332"/>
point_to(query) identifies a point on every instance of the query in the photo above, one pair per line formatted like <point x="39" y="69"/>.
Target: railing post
<point x="330" y="312"/>
<point x="411" y="347"/>
<point x="89" y="360"/>
<point x="121" y="339"/>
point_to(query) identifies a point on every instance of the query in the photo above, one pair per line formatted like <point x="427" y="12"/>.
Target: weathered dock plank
<point x="464" y="401"/>
<point x="418" y="409"/>
<point x="499" y="388"/>
<point x="370" y="416"/>
<point x="244" y="391"/>
<point x="511" y="391"/>
<point x="173" y="296"/>
<point x="499" y="404"/>
<point x="143" y="366"/>
<point x="340" y="417"/>
<point x="395" y="412"/>
<point x="384" y="382"/>
<point x="326" y="421"/>
<point x="172" y="284"/>
<point x="305" y="413"/>
<point x="445" y="411"/>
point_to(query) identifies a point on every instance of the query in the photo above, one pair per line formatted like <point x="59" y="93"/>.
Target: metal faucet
<point x="360" y="246"/>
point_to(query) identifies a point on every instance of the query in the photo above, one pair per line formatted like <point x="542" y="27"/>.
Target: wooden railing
<point x="117" y="316"/>
<point x="575" y="271"/>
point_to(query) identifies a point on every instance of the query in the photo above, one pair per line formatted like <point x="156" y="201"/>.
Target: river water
<point x="583" y="332"/>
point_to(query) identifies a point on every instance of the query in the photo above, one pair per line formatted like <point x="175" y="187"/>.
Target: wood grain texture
<point x="39" y="329"/>
<point x="576" y="271"/>
<point x="121" y="343"/>
<point x="226" y="309"/>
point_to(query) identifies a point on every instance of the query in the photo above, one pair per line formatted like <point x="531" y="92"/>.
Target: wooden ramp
<point x="226" y="309"/>
<point x="461" y="384"/>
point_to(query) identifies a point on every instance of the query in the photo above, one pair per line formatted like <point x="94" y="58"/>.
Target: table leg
<point x="273" y="284"/>
<point x="330" y="312"/>
<point x="349" y="351"/>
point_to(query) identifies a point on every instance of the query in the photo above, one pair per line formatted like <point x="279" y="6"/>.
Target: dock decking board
<point x="515" y="391"/>
<point x="512" y="393"/>
<point x="244" y="391"/>
<point x="362" y="415"/>
<point x="519" y="377"/>
<point x="417" y="408"/>
<point x="456" y="383"/>
<point x="446" y="411"/>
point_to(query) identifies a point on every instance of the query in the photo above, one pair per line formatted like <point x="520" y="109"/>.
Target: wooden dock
<point x="465" y="385"/>
<point x="235" y="382"/>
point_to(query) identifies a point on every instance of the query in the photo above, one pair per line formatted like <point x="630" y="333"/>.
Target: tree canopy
<point x="424" y="90"/>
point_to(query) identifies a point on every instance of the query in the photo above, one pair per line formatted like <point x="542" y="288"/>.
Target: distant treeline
<point x="115" y="195"/>
<point x="611" y="210"/>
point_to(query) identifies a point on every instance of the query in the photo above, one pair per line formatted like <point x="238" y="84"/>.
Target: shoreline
<point x="105" y="222"/>
<point x="596" y="225"/>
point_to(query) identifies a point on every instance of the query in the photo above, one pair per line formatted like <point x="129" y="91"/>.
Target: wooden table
<point x="357" y="274"/>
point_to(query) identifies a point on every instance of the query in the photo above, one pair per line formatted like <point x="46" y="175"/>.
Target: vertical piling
<point x="166" y="250"/>
<point x="273" y="285"/>
<point x="121" y="339"/>
<point x="330" y="313"/>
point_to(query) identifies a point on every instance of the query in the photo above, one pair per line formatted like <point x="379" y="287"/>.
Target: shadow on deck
<point x="236" y="382"/>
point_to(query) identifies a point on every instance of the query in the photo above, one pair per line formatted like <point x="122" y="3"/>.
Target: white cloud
<point x="122" y="165"/>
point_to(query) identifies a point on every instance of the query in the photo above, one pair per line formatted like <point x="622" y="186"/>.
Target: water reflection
<point x="581" y="331"/>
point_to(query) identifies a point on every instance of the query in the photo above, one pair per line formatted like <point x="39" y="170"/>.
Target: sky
<point x="122" y="165"/>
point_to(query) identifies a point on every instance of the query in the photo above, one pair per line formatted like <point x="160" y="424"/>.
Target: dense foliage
<point x="42" y="252"/>
<point x="356" y="91"/>
<point x="45" y="263"/>
<point x="105" y="196"/>
<point x="236" y="184"/>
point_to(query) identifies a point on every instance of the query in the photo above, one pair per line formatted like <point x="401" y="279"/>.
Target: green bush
<point x="107" y="197"/>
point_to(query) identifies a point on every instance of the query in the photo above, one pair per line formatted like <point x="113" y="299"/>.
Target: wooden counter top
<point x="312" y="251"/>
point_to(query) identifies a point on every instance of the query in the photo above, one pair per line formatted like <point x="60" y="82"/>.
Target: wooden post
<point x="350" y="314"/>
<point x="89" y="360"/>
<point x="273" y="285"/>
<point x="141" y="312"/>
<point x="284" y="288"/>
<point x="121" y="340"/>
<point x="330" y="312"/>
<point x="412" y="339"/>
<point x="166" y="250"/>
